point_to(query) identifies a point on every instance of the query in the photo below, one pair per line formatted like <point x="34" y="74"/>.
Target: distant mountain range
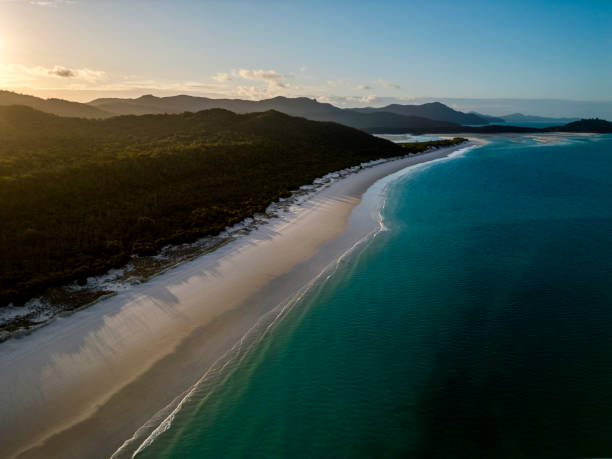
<point x="300" y="106"/>
<point x="596" y="126"/>
<point x="429" y="117"/>
<point x="520" y="118"/>
<point x="58" y="107"/>
<point x="433" y="111"/>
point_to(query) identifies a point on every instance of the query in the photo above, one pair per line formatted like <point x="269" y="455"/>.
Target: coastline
<point x="86" y="382"/>
<point x="68" y="298"/>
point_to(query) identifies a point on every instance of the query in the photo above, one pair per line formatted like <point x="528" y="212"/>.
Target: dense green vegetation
<point x="420" y="147"/>
<point x="79" y="196"/>
<point x="595" y="126"/>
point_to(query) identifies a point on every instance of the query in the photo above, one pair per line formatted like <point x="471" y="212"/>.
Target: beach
<point x="82" y="385"/>
<point x="475" y="325"/>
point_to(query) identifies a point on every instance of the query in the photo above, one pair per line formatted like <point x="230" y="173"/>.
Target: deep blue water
<point x="479" y="325"/>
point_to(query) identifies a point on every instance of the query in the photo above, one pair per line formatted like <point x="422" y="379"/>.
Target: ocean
<point x="478" y="325"/>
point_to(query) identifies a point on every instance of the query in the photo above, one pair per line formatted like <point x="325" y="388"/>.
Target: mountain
<point x="520" y="118"/>
<point x="433" y="111"/>
<point x="300" y="106"/>
<point x="58" y="107"/>
<point x="489" y="118"/>
<point x="395" y="118"/>
<point x="529" y="120"/>
<point x="150" y="104"/>
<point x="383" y="121"/>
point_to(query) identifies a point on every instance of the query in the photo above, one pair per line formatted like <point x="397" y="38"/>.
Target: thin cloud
<point x="335" y="83"/>
<point x="90" y="75"/>
<point x="275" y="82"/>
<point x="262" y="75"/>
<point x="363" y="87"/>
<point x="17" y="72"/>
<point x="388" y="84"/>
<point x="52" y="3"/>
<point x="357" y="101"/>
<point x="222" y="77"/>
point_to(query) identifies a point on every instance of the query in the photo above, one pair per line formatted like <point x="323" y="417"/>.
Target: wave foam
<point x="164" y="419"/>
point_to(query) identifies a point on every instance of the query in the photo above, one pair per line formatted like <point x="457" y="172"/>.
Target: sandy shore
<point x="81" y="386"/>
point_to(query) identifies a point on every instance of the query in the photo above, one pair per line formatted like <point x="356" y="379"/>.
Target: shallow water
<point x="478" y="325"/>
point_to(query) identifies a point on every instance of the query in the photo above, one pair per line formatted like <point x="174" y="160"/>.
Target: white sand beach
<point x="82" y="385"/>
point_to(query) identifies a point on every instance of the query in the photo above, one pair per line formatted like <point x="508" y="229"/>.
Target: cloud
<point x="17" y="72"/>
<point x="252" y="92"/>
<point x="245" y="83"/>
<point x="280" y="84"/>
<point x="52" y="3"/>
<point x="62" y="72"/>
<point x="135" y="83"/>
<point x="335" y="83"/>
<point x="369" y="100"/>
<point x="262" y="75"/>
<point x="387" y="84"/>
<point x="222" y="77"/>
<point x="272" y="78"/>
<point x="90" y="75"/>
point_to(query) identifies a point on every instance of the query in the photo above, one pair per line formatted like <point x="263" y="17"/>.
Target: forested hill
<point x="595" y="125"/>
<point x="79" y="196"/>
<point x="433" y="111"/>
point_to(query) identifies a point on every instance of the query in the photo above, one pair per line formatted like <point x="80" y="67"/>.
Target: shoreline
<point x="67" y="299"/>
<point x="64" y="300"/>
<point x="112" y="366"/>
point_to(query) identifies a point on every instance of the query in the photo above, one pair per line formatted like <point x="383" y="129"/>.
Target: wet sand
<point x="82" y="385"/>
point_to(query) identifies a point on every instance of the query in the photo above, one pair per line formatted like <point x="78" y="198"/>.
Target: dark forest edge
<point x="591" y="126"/>
<point x="79" y="196"/>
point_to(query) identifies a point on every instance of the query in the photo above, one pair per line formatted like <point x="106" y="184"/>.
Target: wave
<point x="163" y="420"/>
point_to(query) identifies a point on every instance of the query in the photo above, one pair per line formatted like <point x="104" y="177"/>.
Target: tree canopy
<point x="79" y="196"/>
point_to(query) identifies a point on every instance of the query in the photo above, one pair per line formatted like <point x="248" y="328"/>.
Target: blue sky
<point x="345" y="52"/>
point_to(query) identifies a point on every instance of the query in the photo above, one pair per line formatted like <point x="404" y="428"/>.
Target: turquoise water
<point x="479" y="325"/>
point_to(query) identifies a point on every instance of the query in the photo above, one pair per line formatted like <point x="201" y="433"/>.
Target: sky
<point x="351" y="53"/>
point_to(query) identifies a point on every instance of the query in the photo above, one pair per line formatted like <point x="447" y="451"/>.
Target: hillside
<point x="596" y="126"/>
<point x="58" y="107"/>
<point x="490" y="119"/>
<point x="587" y="126"/>
<point x="520" y="118"/>
<point x="434" y="111"/>
<point x="79" y="196"/>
